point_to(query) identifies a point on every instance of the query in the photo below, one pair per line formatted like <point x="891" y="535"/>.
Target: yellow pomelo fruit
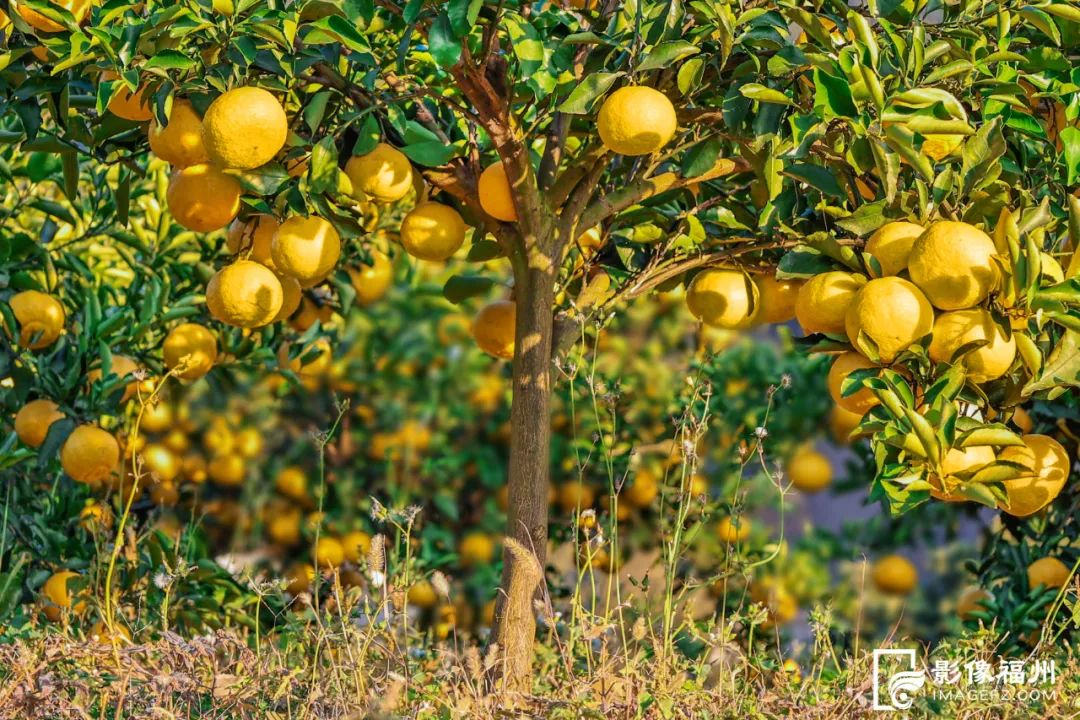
<point x="844" y="364"/>
<point x="194" y="342"/>
<point x="291" y="293"/>
<point x="244" y="128"/>
<point x="972" y="600"/>
<point x="575" y="495"/>
<point x="356" y="544"/>
<point x="493" y="191"/>
<point x="122" y="367"/>
<point x="422" y="594"/>
<point x="894" y="574"/>
<point x="1047" y="465"/>
<point x="244" y="294"/>
<point x="891" y="245"/>
<point x="733" y="530"/>
<point x="937" y="146"/>
<point x="722" y="298"/>
<point x="57" y="593"/>
<point x="203" y="198"/>
<point x="493" y="328"/>
<point x="952" y="263"/>
<point x="953" y="330"/>
<point x="292" y="483"/>
<point x="636" y="121"/>
<point x="643" y="490"/>
<point x="959" y="460"/>
<point x="228" y="470"/>
<point x="80" y="9"/>
<point x="823" y="301"/>
<point x="299" y="578"/>
<point x="306" y="248"/>
<point x="328" y="553"/>
<point x="157" y="418"/>
<point x="476" y="548"/>
<point x="160" y="462"/>
<point x="131" y="106"/>
<point x="33" y="420"/>
<point x="371" y="282"/>
<point x="842" y="422"/>
<point x="1048" y="572"/>
<point x="891" y="313"/>
<point x="777" y="599"/>
<point x="384" y="174"/>
<point x="809" y="470"/>
<point x="90" y="455"/>
<point x="776" y="299"/>
<point x="256" y="234"/>
<point x="432" y="231"/>
<point x="40" y="317"/>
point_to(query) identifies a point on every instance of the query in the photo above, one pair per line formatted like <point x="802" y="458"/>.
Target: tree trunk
<point x="530" y="448"/>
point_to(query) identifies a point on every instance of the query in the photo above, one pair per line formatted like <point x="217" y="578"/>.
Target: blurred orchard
<point x="454" y="358"/>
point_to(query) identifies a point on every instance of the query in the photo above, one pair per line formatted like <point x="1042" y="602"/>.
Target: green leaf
<point x="689" y="75"/>
<point x="832" y="96"/>
<point x="581" y="99"/>
<point x="443" y="43"/>
<point x="754" y="91"/>
<point x="666" y="53"/>
<point x="324" y="165"/>
<point x="1061" y="368"/>
<point x="170" y="60"/>
<point x="462" y="287"/>
<point x="431" y="153"/>
<point x="802" y="262"/>
<point x="1070" y="140"/>
<point x="816" y="176"/>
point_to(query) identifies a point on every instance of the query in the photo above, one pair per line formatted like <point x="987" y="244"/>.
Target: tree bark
<point x="529" y="468"/>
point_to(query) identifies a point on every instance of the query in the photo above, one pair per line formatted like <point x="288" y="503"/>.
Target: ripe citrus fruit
<point x="244" y="294"/>
<point x="283" y="526"/>
<point x="476" y="548"/>
<point x="356" y="544"/>
<point x="422" y="594"/>
<point x="432" y="231"/>
<point x="643" y="490"/>
<point x="824" y="300"/>
<point x="122" y="367"/>
<point x="244" y="128"/>
<point x="733" y="530"/>
<point x="372" y="281"/>
<point x="89" y="455"/>
<point x="894" y="574"/>
<point x="40" y="317"/>
<point x="891" y="245"/>
<point x="952" y="263"/>
<point x="384" y="174"/>
<point x="1048" y="572"/>
<point x="156" y="418"/>
<point x="493" y="190"/>
<point x="891" y="313"/>
<point x="973" y="599"/>
<point x="291" y="295"/>
<point x="959" y="460"/>
<point x="722" y="298"/>
<point x="956" y="329"/>
<point x="299" y="578"/>
<point x="575" y="495"/>
<point x="1047" y="465"/>
<point x="776" y="299"/>
<point x="227" y="469"/>
<point x="328" y="552"/>
<point x="306" y="248"/>
<point x="203" y="198"/>
<point x="842" y="422"/>
<point x="292" y="483"/>
<point x="193" y="342"/>
<point x="133" y="106"/>
<point x="160" y="462"/>
<point x="809" y="470"/>
<point x="776" y="598"/>
<point x="58" y="595"/>
<point x="34" y="419"/>
<point x="493" y="328"/>
<point x="636" y="121"/>
<point x="256" y="235"/>
<point x="96" y="517"/>
<point x="80" y="9"/>
<point x="864" y="398"/>
<point x="180" y="142"/>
